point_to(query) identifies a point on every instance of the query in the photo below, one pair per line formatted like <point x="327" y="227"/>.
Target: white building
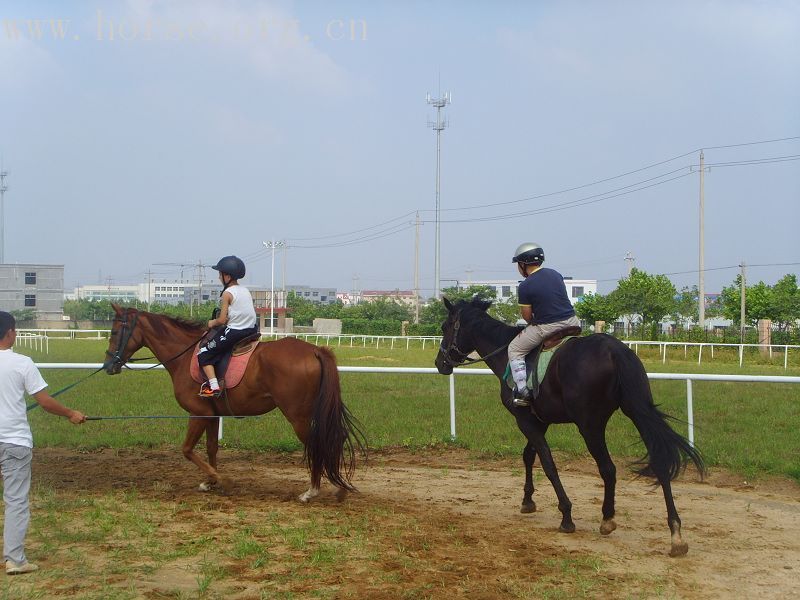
<point x="154" y="292"/>
<point x="32" y="286"/>
<point x="506" y="289"/>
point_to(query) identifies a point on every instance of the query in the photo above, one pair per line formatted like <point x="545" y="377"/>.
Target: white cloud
<point x="268" y="38"/>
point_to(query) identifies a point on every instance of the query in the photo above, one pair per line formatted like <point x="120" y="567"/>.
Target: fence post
<point x="690" y="411"/>
<point x="219" y="433"/>
<point x="452" y="406"/>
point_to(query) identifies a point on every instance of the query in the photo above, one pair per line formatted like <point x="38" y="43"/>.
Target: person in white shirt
<point x="18" y="374"/>
<point x="236" y="321"/>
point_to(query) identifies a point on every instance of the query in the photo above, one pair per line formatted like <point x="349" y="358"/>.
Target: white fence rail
<point x="662" y="349"/>
<point x="396" y="341"/>
<point x="688" y="377"/>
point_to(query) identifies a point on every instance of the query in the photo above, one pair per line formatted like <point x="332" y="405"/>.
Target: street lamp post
<point x="272" y="244"/>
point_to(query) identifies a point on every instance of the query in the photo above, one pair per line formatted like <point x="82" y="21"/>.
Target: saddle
<point x="538" y="359"/>
<point x="231" y="366"/>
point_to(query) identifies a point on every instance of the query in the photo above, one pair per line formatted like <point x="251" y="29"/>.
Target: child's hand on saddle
<point x="211" y="324"/>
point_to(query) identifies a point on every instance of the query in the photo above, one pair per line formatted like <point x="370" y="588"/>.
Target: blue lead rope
<point x="64" y="389"/>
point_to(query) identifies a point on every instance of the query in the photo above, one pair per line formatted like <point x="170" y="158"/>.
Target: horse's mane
<point x="158" y="323"/>
<point x="474" y="312"/>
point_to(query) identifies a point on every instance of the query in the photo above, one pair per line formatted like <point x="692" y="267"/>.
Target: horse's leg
<point x="301" y="423"/>
<point x="679" y="547"/>
<point x="594" y="436"/>
<point x="528" y="456"/>
<point x="212" y="447"/>
<point x="193" y="433"/>
<point x="534" y="430"/>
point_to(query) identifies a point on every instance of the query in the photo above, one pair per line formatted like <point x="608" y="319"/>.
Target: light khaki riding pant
<point x="533" y="335"/>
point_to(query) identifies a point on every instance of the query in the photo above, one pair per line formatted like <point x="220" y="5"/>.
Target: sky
<point x="139" y="136"/>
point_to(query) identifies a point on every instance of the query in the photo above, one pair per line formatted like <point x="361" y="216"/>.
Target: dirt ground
<point x="744" y="537"/>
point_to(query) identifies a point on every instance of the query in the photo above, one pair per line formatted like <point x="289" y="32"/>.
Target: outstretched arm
<point x="53" y="406"/>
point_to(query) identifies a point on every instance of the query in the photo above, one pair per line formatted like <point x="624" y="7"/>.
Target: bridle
<point x="453" y="356"/>
<point x="126" y="331"/>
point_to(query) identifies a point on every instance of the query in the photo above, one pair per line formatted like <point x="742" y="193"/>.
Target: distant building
<point x="405" y="297"/>
<point x="507" y="288"/>
<point x="154" y="292"/>
<point x="33" y="286"/>
<point x="113" y="293"/>
<point x="313" y="294"/>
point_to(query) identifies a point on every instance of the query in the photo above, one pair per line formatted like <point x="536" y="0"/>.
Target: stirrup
<point x="207" y="392"/>
<point x="522" y="398"/>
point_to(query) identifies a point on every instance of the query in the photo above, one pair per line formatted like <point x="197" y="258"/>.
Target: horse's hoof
<point x="607" y="526"/>
<point x="306" y="496"/>
<point x="567" y="528"/>
<point x="206" y="486"/>
<point x="679" y="549"/>
<point x="528" y="507"/>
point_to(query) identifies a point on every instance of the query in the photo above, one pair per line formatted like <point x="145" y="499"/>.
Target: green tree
<point x="651" y="297"/>
<point x="506" y="311"/>
<point x="596" y="307"/>
<point x="435" y="313"/>
<point x="686" y="310"/>
<point x="784" y="309"/>
<point x="758" y="300"/>
<point x="384" y="309"/>
<point x="24" y="314"/>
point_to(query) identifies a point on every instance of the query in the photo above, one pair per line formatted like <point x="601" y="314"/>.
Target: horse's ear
<point x="447" y="304"/>
<point x="116" y="308"/>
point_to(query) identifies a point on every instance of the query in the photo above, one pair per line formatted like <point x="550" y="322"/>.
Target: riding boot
<point x="519" y="372"/>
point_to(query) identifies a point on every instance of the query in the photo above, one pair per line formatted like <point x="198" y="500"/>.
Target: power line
<point x="607" y="195"/>
<point x="694" y="271"/>
<point x="594" y="198"/>
<point x="785" y="139"/>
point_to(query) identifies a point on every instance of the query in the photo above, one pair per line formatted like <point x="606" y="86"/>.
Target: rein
<point x="464" y="358"/>
<point x="125" y="336"/>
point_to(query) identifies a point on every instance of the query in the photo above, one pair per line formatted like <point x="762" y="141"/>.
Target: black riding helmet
<point x="231" y="265"/>
<point x="529" y="253"/>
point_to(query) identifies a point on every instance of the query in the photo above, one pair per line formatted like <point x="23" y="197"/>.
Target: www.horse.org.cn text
<point x="108" y="28"/>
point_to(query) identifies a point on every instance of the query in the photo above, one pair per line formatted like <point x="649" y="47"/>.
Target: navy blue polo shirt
<point x="544" y="291"/>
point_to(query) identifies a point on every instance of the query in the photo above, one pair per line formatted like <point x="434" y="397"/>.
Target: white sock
<point x="213" y="383"/>
<point x="519" y="373"/>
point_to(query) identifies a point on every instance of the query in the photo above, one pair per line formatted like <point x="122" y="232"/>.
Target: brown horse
<point x="300" y="379"/>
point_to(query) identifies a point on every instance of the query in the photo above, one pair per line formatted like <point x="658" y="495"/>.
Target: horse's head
<point x="457" y="342"/>
<point x="125" y="339"/>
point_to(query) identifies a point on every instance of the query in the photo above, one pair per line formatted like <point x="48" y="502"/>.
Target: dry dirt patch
<point x="448" y="525"/>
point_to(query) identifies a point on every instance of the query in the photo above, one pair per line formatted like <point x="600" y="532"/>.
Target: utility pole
<point x="701" y="288"/>
<point x="3" y="190"/>
<point x="438" y="127"/>
<point x="200" y="274"/>
<point x="629" y="258"/>
<point x="272" y="244"/>
<point x="742" y="291"/>
<point x="416" y="272"/>
<point x="149" y="286"/>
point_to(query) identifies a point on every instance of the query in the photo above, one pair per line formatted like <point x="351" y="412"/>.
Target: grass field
<point x="751" y="428"/>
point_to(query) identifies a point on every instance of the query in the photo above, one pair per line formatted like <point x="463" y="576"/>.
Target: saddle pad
<point x="541" y="367"/>
<point x="236" y="367"/>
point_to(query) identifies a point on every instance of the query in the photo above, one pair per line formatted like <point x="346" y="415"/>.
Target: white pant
<point x="15" y="462"/>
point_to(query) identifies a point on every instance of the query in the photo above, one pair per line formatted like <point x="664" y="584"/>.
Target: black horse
<point x="587" y="380"/>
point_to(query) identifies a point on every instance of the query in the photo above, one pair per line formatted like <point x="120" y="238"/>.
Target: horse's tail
<point x="335" y="433"/>
<point x="667" y="451"/>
